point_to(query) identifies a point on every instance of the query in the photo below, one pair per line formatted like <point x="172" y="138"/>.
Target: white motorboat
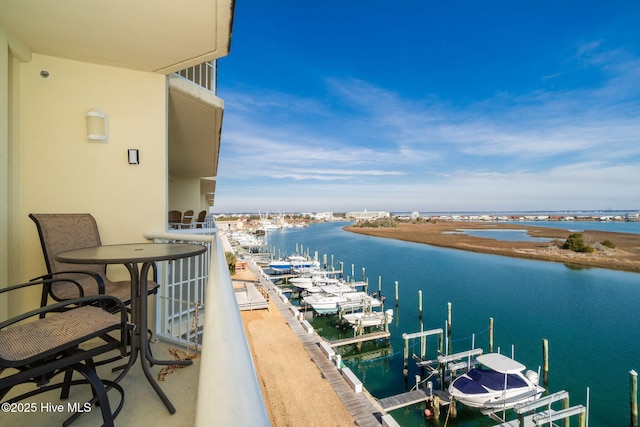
<point x="369" y="318"/>
<point x="331" y="298"/>
<point x="497" y="384"/>
<point x="302" y="283"/>
<point x="314" y="281"/>
<point x="280" y="266"/>
<point x="300" y="264"/>
<point x="295" y="264"/>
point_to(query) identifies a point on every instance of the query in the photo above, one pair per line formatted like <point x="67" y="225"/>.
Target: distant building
<point x="367" y="215"/>
<point x="323" y="216"/>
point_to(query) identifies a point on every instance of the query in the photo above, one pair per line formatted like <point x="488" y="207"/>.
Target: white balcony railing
<point x="180" y="303"/>
<point x="228" y="389"/>
<point x="204" y="75"/>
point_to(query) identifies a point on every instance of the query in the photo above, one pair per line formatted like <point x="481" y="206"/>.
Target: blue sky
<point x="431" y="106"/>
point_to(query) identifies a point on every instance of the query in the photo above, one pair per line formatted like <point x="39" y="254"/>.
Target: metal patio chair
<point x="200" y="222"/>
<point x="63" y="232"/>
<point x="187" y="217"/>
<point x="175" y="219"/>
<point x="41" y="344"/>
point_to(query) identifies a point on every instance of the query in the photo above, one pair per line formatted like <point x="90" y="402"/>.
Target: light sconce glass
<point x="97" y="126"/>
<point x="134" y="156"/>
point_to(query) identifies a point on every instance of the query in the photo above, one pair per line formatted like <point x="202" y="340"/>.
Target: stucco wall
<point x="184" y="194"/>
<point x="61" y="172"/>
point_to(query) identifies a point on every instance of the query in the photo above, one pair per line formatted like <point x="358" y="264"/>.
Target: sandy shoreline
<point x="625" y="256"/>
<point x="295" y="392"/>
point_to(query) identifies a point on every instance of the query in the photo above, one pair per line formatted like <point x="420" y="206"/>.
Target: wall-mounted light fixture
<point x="97" y="126"/>
<point x="134" y="156"/>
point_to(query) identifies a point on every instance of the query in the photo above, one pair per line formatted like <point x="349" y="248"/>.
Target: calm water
<point x="589" y="316"/>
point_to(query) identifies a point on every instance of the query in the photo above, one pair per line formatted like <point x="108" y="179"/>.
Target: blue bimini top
<point x="492" y="380"/>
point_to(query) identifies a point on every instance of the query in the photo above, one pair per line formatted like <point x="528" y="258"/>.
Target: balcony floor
<point x="142" y="405"/>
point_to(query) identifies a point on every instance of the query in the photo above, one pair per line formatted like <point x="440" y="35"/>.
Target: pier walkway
<point x="363" y="410"/>
<point x="359" y="339"/>
<point x="412" y="397"/>
<point x="248" y="296"/>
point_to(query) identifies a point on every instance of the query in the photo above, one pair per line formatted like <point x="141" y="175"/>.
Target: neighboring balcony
<point x="194" y="127"/>
<point x="204" y="75"/>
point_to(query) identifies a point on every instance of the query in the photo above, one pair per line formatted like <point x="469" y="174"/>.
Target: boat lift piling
<point x="396" y="294"/>
<point x="490" y="334"/>
<point x="449" y="349"/>
<point x="633" y="377"/>
<point x="420" y="304"/>
<point x="545" y="362"/>
<point x="422" y="334"/>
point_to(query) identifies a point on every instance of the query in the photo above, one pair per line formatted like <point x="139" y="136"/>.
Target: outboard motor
<point x="532" y="376"/>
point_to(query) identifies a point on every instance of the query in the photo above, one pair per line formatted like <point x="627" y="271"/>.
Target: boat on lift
<point x="498" y="383"/>
<point x="368" y="318"/>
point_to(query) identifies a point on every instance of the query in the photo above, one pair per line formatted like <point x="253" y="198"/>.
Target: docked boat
<point x="300" y="264"/>
<point x="280" y="266"/>
<point x="497" y="384"/>
<point x="295" y="264"/>
<point x="368" y="318"/>
<point x="332" y="298"/>
<point x="302" y="283"/>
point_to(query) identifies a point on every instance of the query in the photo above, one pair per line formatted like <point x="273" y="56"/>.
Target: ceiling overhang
<point x="195" y="125"/>
<point x="148" y="35"/>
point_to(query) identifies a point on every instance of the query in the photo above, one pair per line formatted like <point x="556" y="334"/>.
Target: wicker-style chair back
<point x="201" y="217"/>
<point x="175" y="216"/>
<point x="187" y="218"/>
<point x="64" y="232"/>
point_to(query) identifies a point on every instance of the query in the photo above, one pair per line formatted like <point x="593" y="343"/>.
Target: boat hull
<point x="499" y="384"/>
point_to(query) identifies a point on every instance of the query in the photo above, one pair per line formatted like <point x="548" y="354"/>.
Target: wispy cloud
<point x="574" y="148"/>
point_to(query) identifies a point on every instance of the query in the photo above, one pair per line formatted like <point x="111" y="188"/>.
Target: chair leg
<point x="99" y="391"/>
<point x="64" y="392"/>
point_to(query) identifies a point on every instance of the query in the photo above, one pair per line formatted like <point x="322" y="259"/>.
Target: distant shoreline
<point x="625" y="256"/>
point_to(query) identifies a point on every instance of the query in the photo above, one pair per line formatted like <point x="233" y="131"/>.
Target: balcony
<point x="223" y="373"/>
<point x="203" y="75"/>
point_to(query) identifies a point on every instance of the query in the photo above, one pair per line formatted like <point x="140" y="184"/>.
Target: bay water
<point x="590" y="316"/>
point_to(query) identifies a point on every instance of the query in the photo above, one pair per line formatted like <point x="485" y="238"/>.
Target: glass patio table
<point x="131" y="256"/>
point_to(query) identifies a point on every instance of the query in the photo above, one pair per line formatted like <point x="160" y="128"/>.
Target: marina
<point x="377" y="374"/>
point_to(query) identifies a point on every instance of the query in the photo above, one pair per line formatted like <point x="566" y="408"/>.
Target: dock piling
<point x="633" y="376"/>
<point x="420" y="304"/>
<point x="545" y="362"/>
<point x="449" y="326"/>
<point x="396" y="293"/>
<point x="490" y="334"/>
<point x="423" y="342"/>
<point x="405" y="363"/>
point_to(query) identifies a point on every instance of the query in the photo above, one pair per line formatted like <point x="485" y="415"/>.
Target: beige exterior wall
<point x="60" y="172"/>
<point x="184" y="194"/>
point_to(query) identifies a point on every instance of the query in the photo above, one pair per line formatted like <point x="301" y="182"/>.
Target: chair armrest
<point x="97" y="277"/>
<point x="59" y="305"/>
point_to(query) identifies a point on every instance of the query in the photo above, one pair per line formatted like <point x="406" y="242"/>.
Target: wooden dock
<point x="364" y="410"/>
<point x="359" y="339"/>
<point x="411" y="398"/>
